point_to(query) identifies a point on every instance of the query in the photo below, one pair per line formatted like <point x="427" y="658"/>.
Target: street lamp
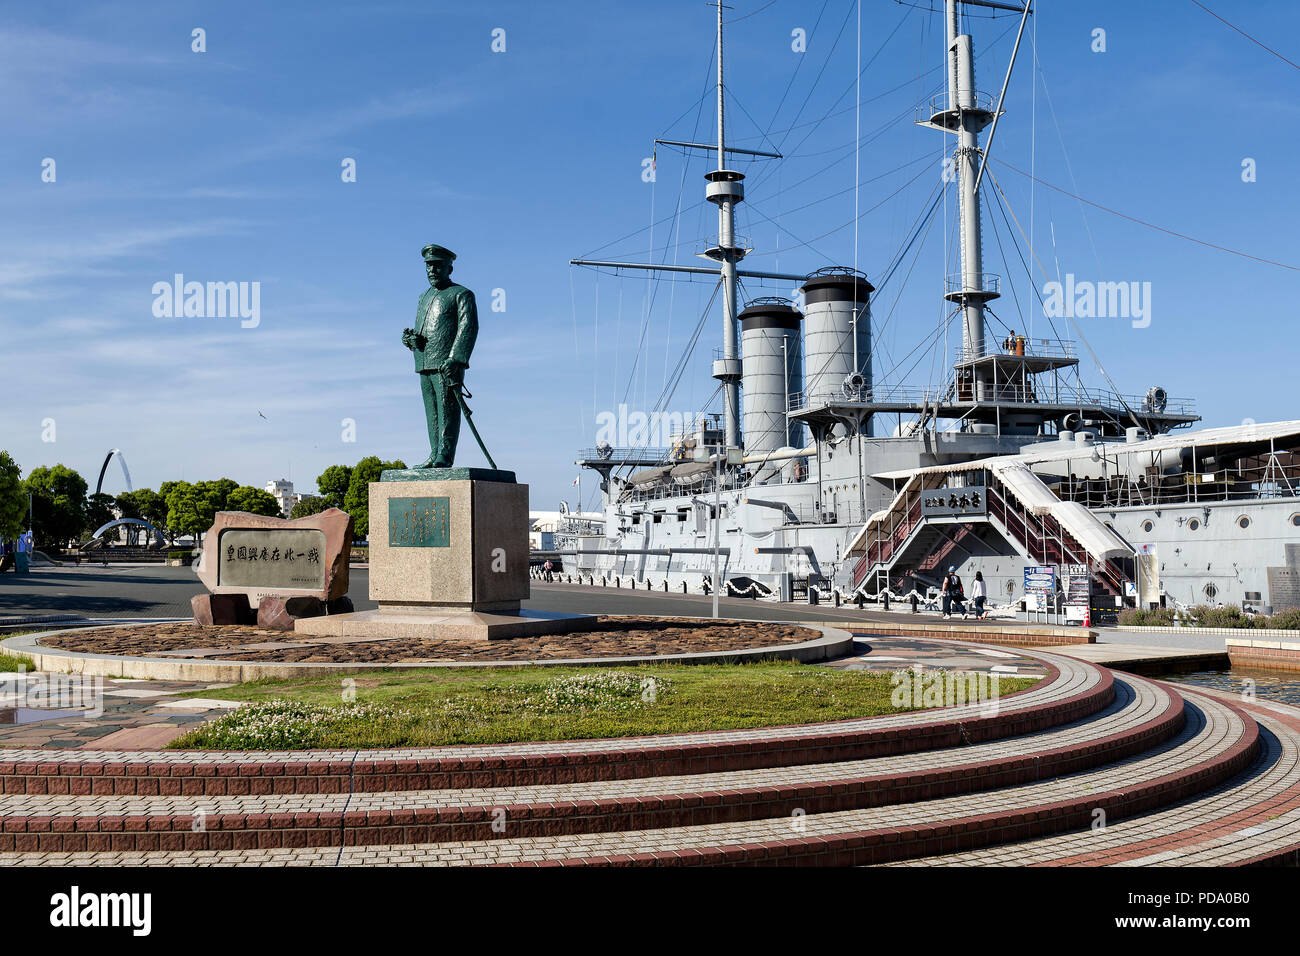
<point x="733" y="457"/>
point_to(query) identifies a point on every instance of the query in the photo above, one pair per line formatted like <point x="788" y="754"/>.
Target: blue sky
<point x="225" y="166"/>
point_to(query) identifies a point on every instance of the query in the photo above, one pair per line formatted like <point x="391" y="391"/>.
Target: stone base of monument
<point x="442" y="624"/>
<point x="448" y="560"/>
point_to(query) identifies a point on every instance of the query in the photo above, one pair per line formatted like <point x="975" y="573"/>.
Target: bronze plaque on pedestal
<point x="419" y="522"/>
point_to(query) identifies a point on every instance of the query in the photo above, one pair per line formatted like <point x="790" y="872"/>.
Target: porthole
<point x="1295" y="520"/>
<point x="1148" y="526"/>
<point x="1211" y="592"/>
<point x="1194" y="524"/>
<point x="1243" y="522"/>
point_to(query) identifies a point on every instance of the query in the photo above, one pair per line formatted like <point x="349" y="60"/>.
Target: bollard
<point x="914" y="608"/>
<point x="837" y="598"/>
<point x="858" y="601"/>
<point x="683" y="587"/>
<point x="885" y="599"/>
<point x="665" y="585"/>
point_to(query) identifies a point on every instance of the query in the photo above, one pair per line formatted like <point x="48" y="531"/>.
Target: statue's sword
<point x="461" y="392"/>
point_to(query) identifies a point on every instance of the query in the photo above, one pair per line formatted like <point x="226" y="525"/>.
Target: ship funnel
<point x="835" y="352"/>
<point x="771" y="371"/>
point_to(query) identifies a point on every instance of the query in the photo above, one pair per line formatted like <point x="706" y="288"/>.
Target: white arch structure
<point x="121" y="459"/>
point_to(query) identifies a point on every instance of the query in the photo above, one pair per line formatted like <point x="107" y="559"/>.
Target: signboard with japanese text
<point x="954" y="502"/>
<point x="271" y="558"/>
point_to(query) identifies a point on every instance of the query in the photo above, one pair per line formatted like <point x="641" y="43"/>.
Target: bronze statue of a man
<point x="446" y="325"/>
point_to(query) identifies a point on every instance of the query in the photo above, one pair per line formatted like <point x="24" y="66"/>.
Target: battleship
<point x="816" y="478"/>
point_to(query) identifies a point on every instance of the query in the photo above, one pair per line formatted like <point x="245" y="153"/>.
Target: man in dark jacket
<point x="953" y="594"/>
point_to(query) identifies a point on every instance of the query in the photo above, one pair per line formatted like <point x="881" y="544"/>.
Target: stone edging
<point x="981" y="634"/>
<point x="834" y="642"/>
<point x="1216" y="631"/>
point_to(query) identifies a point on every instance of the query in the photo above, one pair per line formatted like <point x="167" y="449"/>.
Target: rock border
<point x="834" y="642"/>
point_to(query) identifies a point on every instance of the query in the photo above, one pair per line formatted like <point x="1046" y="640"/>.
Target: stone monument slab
<point x="260" y="556"/>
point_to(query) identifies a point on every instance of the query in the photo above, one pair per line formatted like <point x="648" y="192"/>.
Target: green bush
<point x="1142" y="617"/>
<point x="180" y="555"/>
<point x="1229" y="617"/>
<point x="1285" y="620"/>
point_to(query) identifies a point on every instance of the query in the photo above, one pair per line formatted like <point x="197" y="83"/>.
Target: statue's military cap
<point x="435" y="251"/>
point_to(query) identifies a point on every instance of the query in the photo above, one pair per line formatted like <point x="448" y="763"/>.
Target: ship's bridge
<point x="1012" y="385"/>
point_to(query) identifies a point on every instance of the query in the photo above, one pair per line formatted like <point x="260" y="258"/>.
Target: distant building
<point x="283" y="492"/>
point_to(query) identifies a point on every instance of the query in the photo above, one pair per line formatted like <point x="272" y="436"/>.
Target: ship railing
<point x="1063" y="394"/>
<point x="1138" y="403"/>
<point x="619" y="456"/>
<point x="985" y="283"/>
<point x="1041" y="348"/>
<point x="848" y="394"/>
<point x="710" y="246"/>
<point x="1233" y="483"/>
<point x="944" y="102"/>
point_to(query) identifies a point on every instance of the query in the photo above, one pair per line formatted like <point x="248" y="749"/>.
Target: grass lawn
<point x="433" y="707"/>
<point x="12" y="663"/>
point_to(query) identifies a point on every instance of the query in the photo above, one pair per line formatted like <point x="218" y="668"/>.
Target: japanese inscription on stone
<point x="419" y="522"/>
<point x="271" y="558"/>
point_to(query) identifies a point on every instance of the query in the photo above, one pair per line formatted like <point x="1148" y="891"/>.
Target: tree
<point x="188" y="509"/>
<point x="357" y="501"/>
<point x="256" y="501"/>
<point x="99" y="512"/>
<point x="218" y="492"/>
<point x="309" y="505"/>
<point x="58" y="502"/>
<point x="332" y="484"/>
<point x="13" y="498"/>
<point x="144" y="503"/>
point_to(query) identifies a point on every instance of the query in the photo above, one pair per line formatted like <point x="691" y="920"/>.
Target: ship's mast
<point x="726" y="189"/>
<point x="966" y="115"/>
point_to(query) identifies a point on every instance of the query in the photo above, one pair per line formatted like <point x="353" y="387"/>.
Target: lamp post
<point x="732" y="456"/>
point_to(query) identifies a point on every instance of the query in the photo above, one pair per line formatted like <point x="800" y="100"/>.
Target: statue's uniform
<point x="448" y="320"/>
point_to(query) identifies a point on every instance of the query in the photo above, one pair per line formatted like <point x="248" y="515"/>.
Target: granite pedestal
<point x="448" y="560"/>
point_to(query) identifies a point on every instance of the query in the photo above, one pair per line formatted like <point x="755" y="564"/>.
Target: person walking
<point x="979" y="593"/>
<point x="546" y="568"/>
<point x="953" y="595"/>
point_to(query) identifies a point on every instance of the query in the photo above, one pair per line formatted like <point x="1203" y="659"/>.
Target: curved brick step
<point x="1070" y="691"/>
<point x="1141" y="716"/>
<point x="1251" y="819"/>
<point x="1217" y="742"/>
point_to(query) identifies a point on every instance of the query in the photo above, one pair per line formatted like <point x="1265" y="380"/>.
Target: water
<point x="1284" y="689"/>
<point x="32" y="715"/>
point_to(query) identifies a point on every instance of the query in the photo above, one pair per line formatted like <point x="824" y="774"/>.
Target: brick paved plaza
<point x="1177" y="776"/>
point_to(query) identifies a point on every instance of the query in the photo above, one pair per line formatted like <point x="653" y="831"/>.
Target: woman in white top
<point x="979" y="592"/>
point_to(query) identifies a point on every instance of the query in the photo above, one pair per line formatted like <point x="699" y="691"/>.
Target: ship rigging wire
<point x="1144" y="222"/>
<point x="1258" y="43"/>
